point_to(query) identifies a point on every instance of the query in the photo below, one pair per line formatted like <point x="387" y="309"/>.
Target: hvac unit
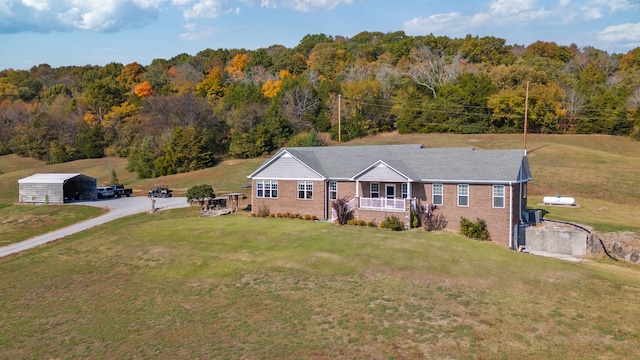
<point x="535" y="216"/>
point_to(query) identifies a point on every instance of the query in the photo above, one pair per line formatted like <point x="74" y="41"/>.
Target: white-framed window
<point x="524" y="190"/>
<point x="267" y="188"/>
<point x="405" y="190"/>
<point x="305" y="190"/>
<point x="438" y="196"/>
<point x="463" y="195"/>
<point x="498" y="196"/>
<point x="374" y="190"/>
<point x="333" y="190"/>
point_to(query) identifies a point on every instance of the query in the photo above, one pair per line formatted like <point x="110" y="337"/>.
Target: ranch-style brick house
<point x="388" y="180"/>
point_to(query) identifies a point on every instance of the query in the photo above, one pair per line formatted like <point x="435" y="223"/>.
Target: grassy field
<point x="174" y="285"/>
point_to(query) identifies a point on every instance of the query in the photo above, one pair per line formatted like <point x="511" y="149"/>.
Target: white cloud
<point x="310" y="5"/>
<point x="93" y="15"/>
<point x="499" y="12"/>
<point x="194" y="33"/>
<point x="592" y="13"/>
<point x="618" y="5"/>
<point x="300" y="5"/>
<point x="510" y="7"/>
<point x="628" y="34"/>
<point x="203" y="9"/>
<point x="38" y="5"/>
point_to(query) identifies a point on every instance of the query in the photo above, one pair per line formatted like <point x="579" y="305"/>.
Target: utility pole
<point x="526" y="108"/>
<point x="339" y="106"/>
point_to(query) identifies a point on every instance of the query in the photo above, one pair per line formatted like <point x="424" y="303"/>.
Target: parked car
<point x="120" y="191"/>
<point x="160" y="191"/>
<point x="105" y="192"/>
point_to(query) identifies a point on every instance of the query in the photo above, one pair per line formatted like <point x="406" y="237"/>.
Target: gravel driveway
<point x="119" y="207"/>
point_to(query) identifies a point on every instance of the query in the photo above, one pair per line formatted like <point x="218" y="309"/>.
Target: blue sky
<point x="96" y="32"/>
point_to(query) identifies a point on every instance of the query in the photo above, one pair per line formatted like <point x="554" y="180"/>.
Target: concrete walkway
<point x="118" y="208"/>
<point x="556" y="256"/>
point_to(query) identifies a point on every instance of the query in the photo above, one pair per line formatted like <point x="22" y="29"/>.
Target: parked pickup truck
<point x="120" y="191"/>
<point x="105" y="192"/>
<point x="160" y="191"/>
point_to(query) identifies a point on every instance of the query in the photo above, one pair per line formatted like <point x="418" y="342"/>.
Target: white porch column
<point x="357" y="188"/>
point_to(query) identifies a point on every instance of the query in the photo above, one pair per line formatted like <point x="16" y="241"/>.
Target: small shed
<point x="56" y="188"/>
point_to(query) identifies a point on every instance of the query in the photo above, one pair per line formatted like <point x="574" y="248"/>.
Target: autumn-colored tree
<point x="237" y="67"/>
<point x="8" y="90"/>
<point x="631" y="60"/>
<point x="212" y="87"/>
<point x="144" y="89"/>
<point x="271" y="88"/>
<point x="184" y="78"/>
<point x="130" y="75"/>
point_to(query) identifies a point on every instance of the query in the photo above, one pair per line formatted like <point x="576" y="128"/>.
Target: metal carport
<point x="55" y="188"/>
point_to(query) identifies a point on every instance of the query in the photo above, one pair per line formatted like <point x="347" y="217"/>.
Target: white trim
<point x="493" y="196"/>
<point x="468" y="195"/>
<point x="305" y="190"/>
<point x="441" y="203"/>
<point x="371" y="190"/>
<point x="388" y="186"/>
<point x="329" y="189"/>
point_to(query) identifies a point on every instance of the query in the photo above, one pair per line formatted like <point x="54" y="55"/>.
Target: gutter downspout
<point x="326" y="198"/>
<point x="511" y="217"/>
<point x="253" y="188"/>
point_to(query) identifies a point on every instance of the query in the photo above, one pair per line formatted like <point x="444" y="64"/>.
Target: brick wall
<point x="287" y="200"/>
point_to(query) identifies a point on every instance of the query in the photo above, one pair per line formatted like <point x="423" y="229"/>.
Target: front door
<point x="390" y="195"/>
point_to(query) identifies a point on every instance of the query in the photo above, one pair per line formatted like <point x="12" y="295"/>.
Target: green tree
<point x="58" y="89"/>
<point x="101" y="95"/>
<point x="201" y="193"/>
<point x="187" y="149"/>
<point x="308" y="42"/>
<point x="91" y="142"/>
<point x="142" y="155"/>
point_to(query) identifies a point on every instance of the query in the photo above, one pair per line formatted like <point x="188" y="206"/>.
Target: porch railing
<point x="382" y="204"/>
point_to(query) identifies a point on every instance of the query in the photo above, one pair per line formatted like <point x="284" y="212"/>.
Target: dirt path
<point x="119" y="207"/>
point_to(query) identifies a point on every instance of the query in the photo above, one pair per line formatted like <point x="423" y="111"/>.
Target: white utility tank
<point x="559" y="200"/>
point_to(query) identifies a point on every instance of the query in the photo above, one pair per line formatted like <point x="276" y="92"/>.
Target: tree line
<point x="183" y="113"/>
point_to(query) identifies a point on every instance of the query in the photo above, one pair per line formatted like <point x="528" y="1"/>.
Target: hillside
<point x="175" y="285"/>
<point x="600" y="171"/>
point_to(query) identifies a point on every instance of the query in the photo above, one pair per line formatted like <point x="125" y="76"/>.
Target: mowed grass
<point x="174" y="285"/>
<point x="20" y="222"/>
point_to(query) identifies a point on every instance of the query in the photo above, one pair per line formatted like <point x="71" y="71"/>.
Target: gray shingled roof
<point x="414" y="161"/>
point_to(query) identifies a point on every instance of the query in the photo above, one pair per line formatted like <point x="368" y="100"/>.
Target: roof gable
<point x="286" y="166"/>
<point x="379" y="171"/>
